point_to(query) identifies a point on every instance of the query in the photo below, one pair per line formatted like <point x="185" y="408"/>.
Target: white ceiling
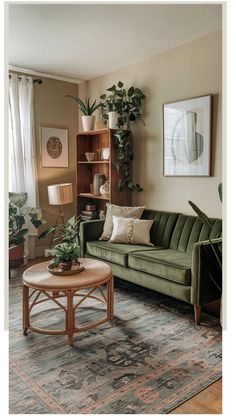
<point x="83" y="41"/>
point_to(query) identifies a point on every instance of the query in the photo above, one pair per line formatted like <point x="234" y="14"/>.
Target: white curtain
<point x="22" y="164"/>
<point x="22" y="138"/>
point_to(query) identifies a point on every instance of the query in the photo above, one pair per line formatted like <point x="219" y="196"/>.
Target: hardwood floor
<point x="208" y="401"/>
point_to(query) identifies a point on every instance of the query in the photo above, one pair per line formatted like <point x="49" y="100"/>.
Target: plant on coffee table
<point x="64" y="255"/>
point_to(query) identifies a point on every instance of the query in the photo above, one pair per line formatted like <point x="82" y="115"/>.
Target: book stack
<point x="89" y="215"/>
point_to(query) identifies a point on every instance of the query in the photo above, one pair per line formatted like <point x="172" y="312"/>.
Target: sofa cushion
<point x="114" y="252"/>
<point x="190" y="230"/>
<point x="169" y="264"/>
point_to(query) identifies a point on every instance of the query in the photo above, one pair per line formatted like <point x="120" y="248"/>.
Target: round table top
<point x="94" y="272"/>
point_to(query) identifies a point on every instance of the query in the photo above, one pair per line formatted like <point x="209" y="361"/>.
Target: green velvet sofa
<point x="174" y="266"/>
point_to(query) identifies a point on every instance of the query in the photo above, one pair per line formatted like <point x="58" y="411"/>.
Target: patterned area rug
<point x="151" y="360"/>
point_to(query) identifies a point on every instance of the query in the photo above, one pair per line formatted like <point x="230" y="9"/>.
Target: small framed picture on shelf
<point x="105" y="153"/>
<point x="54" y="147"/>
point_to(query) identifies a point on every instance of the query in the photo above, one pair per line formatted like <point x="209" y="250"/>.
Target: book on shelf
<point x="89" y="215"/>
<point x="85" y="212"/>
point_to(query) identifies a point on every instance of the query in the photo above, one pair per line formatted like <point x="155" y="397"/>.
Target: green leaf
<point x="130" y="91"/>
<point x="202" y="216"/>
<point x="112" y="89"/>
<point x="120" y="84"/>
<point x="46" y="233"/>
<point x="220" y="191"/>
<point x="103" y="96"/>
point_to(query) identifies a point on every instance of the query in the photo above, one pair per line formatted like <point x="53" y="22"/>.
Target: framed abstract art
<point x="187" y="137"/>
<point x="54" y="147"/>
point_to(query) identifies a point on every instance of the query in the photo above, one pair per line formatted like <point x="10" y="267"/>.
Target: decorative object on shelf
<point x="60" y="194"/>
<point x="123" y="161"/>
<point x="54" y="147"/>
<point x="105" y="154"/>
<point x="187" y="135"/>
<point x="88" y="119"/>
<point x="90" y="156"/>
<point x="98" y="180"/>
<point x="18" y="214"/>
<point x="65" y="255"/>
<point x="105" y="189"/>
<point x="121" y="106"/>
<point x="102" y="215"/>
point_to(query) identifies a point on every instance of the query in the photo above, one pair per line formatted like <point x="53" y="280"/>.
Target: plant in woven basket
<point x="65" y="254"/>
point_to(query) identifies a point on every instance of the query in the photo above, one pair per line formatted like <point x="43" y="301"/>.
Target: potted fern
<point x="88" y="119"/>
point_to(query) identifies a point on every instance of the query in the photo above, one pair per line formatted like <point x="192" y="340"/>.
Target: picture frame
<point x="54" y="147"/>
<point x="187" y="137"/>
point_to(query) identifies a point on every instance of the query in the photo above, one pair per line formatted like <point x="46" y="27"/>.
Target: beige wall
<point x="190" y="70"/>
<point x="54" y="110"/>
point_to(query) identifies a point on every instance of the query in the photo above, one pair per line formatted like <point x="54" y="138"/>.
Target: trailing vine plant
<point x="125" y="156"/>
<point x="127" y="103"/>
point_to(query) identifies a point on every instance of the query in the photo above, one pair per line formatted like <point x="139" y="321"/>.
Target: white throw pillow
<point x="127" y="212"/>
<point x="131" y="231"/>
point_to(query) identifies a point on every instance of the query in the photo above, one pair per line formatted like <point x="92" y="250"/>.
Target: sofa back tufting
<point x="189" y="230"/>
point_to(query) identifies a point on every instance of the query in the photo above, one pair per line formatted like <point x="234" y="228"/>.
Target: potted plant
<point x="88" y="119"/>
<point x="124" y="103"/>
<point x="18" y="213"/>
<point x="65" y="255"/>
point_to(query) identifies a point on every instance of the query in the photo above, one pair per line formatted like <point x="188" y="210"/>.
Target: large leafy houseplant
<point x="214" y="253"/>
<point x="126" y="102"/>
<point x="18" y="214"/>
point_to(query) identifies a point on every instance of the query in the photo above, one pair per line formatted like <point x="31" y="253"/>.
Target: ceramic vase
<point x="105" y="189"/>
<point x="112" y="119"/>
<point x="88" y="122"/>
<point x="98" y="181"/>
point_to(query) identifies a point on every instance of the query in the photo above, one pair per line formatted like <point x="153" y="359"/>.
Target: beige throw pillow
<point x="127" y="212"/>
<point x="131" y="231"/>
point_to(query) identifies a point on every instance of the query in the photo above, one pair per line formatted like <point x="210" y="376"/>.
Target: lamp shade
<point x="60" y="194"/>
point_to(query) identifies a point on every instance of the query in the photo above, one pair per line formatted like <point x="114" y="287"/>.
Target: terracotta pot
<point x="16" y="252"/>
<point x="66" y="266"/>
<point x="16" y="255"/>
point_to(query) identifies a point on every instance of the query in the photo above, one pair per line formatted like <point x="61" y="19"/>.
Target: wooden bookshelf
<point x="94" y="141"/>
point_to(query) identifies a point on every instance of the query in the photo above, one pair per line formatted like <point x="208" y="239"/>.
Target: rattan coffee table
<point x="38" y="282"/>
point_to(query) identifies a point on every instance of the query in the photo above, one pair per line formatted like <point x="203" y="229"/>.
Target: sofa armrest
<point x="204" y="289"/>
<point x="89" y="230"/>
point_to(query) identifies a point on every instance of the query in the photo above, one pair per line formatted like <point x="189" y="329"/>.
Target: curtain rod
<point x="39" y="81"/>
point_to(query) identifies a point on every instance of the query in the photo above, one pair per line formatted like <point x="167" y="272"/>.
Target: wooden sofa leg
<point x="197" y="313"/>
